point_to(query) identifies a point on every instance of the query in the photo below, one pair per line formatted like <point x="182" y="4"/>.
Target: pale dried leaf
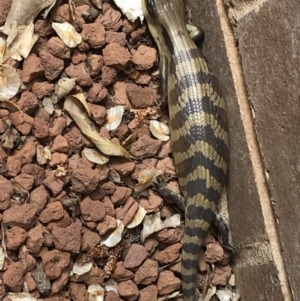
<point x="94" y="156"/>
<point x="43" y="154"/>
<point x="96" y="292"/>
<point x="63" y="87"/>
<point x="48" y="9"/>
<point x="2" y="258"/>
<point x="130" y="139"/>
<point x="111" y="285"/>
<point x="211" y="291"/>
<point x="7" y="138"/>
<point x="9" y="82"/>
<point x="138" y="218"/>
<point x="21" y="194"/>
<point x="48" y="105"/>
<point x="115" y="237"/>
<point x="169" y="297"/>
<point x="23" y="12"/>
<point x="79" y="269"/>
<point x="3" y="243"/>
<point x="231" y="280"/>
<point x="67" y="33"/>
<point x="22" y="44"/>
<point x="81" y="98"/>
<point x="159" y="130"/>
<point x="146" y="178"/>
<point x="114" y="117"/>
<point x="2" y="49"/>
<point x="153" y="223"/>
<point x="21" y="297"/>
<point x="224" y="295"/>
<point x="114" y="176"/>
<point x="131" y="9"/>
<point x="77" y="112"/>
<point x="9" y="105"/>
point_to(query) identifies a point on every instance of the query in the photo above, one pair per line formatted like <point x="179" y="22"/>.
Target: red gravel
<point x="58" y="209"/>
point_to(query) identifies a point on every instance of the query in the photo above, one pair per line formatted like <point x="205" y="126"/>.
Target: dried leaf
<point x="20" y="28"/>
<point x="114" y="176"/>
<point x="111" y="285"/>
<point x="75" y="97"/>
<point x="2" y="258"/>
<point x="22" y="12"/>
<point x="211" y="291"/>
<point x="93" y="155"/>
<point x="131" y="9"/>
<point x="231" y="280"/>
<point x="9" y="105"/>
<point x="7" y="138"/>
<point x="43" y="154"/>
<point x="96" y="292"/>
<point x="21" y="297"/>
<point x="3" y="244"/>
<point x="63" y="87"/>
<point x="22" y="44"/>
<point x="169" y="297"/>
<point x="2" y="49"/>
<point x="146" y="178"/>
<point x="138" y="218"/>
<point x="114" y="117"/>
<point x="9" y="82"/>
<point x="81" y="269"/>
<point x="153" y="223"/>
<point x="115" y="237"/>
<point x="159" y="130"/>
<point x="67" y="33"/>
<point x="20" y="193"/>
<point x="48" y="105"/>
<point x="77" y="112"/>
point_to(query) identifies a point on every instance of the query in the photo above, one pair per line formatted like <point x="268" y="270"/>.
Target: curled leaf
<point x="146" y="178"/>
<point x="9" y="105"/>
<point x="96" y="292"/>
<point x="153" y="223"/>
<point x="131" y="9"/>
<point x="93" y="155"/>
<point x="63" y="87"/>
<point x="114" y="117"/>
<point x="9" y="82"/>
<point x="138" y="218"/>
<point x="79" y="96"/>
<point x="7" y="138"/>
<point x="77" y="112"/>
<point x="159" y="130"/>
<point x="43" y="154"/>
<point x="169" y="297"/>
<point x="81" y="269"/>
<point x="48" y="105"/>
<point x="22" y="44"/>
<point x="114" y="176"/>
<point x="67" y="33"/>
<point x="21" y="297"/>
<point x="210" y="293"/>
<point x="2" y="258"/>
<point x="21" y="194"/>
<point x="2" y="49"/>
<point x="115" y="237"/>
<point x="111" y="285"/>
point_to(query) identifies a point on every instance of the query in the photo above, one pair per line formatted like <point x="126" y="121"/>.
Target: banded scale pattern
<point x="198" y="125"/>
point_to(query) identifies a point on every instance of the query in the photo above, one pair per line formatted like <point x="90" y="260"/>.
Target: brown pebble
<point x="135" y="256"/>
